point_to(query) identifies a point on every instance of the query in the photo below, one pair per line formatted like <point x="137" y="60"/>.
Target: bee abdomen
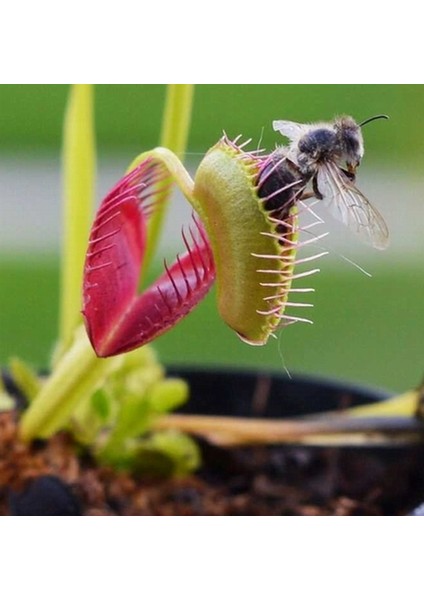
<point x="279" y="183"/>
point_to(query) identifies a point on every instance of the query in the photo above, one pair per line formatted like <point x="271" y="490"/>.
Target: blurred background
<point x="366" y="330"/>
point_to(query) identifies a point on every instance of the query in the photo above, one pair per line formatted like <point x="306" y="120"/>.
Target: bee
<point x="327" y="155"/>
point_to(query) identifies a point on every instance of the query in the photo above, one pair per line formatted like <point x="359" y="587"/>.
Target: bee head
<point x="350" y="141"/>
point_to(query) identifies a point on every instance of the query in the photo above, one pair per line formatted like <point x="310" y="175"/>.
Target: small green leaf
<point x="6" y="401"/>
<point x="25" y="378"/>
<point x="177" y="447"/>
<point x="139" y="409"/>
<point x="167" y="395"/>
<point x="163" y="454"/>
<point x="133" y="419"/>
<point x="139" y="370"/>
<point x="101" y="404"/>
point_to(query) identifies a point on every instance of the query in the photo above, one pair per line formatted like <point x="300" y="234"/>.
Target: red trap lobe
<point x="117" y="317"/>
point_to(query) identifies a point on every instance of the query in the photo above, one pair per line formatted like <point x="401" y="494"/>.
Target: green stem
<point x="76" y="376"/>
<point x="78" y="180"/>
<point x="174" y="135"/>
<point x="174" y="167"/>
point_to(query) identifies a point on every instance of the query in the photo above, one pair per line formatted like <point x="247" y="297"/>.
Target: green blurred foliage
<point x="128" y="116"/>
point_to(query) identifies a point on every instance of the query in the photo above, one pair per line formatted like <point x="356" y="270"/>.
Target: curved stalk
<point x="174" y="136"/>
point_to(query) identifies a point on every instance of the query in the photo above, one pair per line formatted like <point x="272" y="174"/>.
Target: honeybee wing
<point x="348" y="205"/>
<point x="291" y="130"/>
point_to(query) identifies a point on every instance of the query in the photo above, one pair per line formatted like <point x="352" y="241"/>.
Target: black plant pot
<point x="243" y="393"/>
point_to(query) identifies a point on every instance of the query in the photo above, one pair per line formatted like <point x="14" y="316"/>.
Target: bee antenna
<point x="372" y="119"/>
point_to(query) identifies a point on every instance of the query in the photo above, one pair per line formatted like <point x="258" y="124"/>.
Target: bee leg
<point x="350" y="175"/>
<point x="317" y="193"/>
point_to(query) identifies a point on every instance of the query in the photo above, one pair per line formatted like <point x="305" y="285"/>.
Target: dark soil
<point x="50" y="478"/>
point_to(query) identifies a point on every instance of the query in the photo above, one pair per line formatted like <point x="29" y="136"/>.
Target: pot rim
<point x="349" y="386"/>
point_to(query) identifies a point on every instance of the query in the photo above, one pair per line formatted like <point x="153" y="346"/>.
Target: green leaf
<point x="76" y="376"/>
<point x="133" y="419"/>
<point x="101" y="404"/>
<point x="178" y="448"/>
<point x="6" y="400"/>
<point x="163" y="454"/>
<point x="139" y="409"/>
<point x="25" y="378"/>
<point x="167" y="395"/>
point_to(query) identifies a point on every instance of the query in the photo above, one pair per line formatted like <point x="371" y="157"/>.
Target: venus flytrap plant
<point x="80" y="393"/>
<point x="244" y="235"/>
